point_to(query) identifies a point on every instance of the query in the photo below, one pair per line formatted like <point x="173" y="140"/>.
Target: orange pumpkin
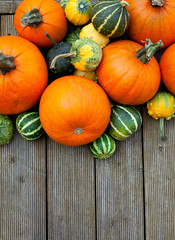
<point x="128" y="73"/>
<point x="23" y="74"/>
<point x="153" y="19"/>
<point x="33" y="18"/>
<point x="74" y="110"/>
<point x="167" y="63"/>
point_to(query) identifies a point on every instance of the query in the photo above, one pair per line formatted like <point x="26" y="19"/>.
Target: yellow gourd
<point x="90" y="75"/>
<point x="162" y="106"/>
<point x="78" y="12"/>
<point x="90" y="32"/>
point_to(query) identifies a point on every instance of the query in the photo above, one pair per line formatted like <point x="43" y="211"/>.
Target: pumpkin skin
<point x="124" y="77"/>
<point x="53" y="18"/>
<point x="153" y="22"/>
<point x="167" y="63"/>
<point x="74" y="110"/>
<point x="21" y="88"/>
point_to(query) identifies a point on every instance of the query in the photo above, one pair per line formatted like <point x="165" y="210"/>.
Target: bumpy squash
<point x="78" y="12"/>
<point x="162" y="106"/>
<point x="6" y="129"/>
<point x="74" y="110"/>
<point x="33" y="18"/>
<point x="103" y="147"/>
<point x="124" y="121"/>
<point x="73" y="36"/>
<point x="29" y="126"/>
<point x="90" y="32"/>
<point x="23" y="74"/>
<point x="85" y="55"/>
<point x="110" y="17"/>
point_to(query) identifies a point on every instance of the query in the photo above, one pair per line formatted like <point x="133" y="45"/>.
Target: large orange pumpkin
<point x="167" y="67"/>
<point x="74" y="110"/>
<point x="128" y="73"/>
<point x="33" y="18"/>
<point x="153" y="19"/>
<point x="23" y="74"/>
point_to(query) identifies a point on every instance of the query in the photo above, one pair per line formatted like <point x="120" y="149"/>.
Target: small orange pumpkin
<point x="128" y="73"/>
<point x="33" y="18"/>
<point x="167" y="63"/>
<point x="74" y="110"/>
<point x="23" y="74"/>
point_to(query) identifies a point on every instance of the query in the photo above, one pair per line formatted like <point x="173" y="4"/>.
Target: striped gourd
<point x="110" y="17"/>
<point x="29" y="126"/>
<point x="124" y="121"/>
<point x="103" y="147"/>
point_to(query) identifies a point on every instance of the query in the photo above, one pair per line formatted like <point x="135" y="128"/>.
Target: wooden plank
<point x="119" y="192"/>
<point x="159" y="175"/>
<point x="71" y="192"/>
<point x="9" y="6"/>
<point x="22" y="181"/>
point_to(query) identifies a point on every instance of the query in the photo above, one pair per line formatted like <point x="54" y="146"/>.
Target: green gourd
<point x="85" y="55"/>
<point x="6" y="129"/>
<point x="124" y="121"/>
<point x="103" y="147"/>
<point x="73" y="36"/>
<point x="110" y="17"/>
<point x="62" y="65"/>
<point x="29" y="126"/>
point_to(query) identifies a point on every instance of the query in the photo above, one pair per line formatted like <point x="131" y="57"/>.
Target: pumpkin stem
<point x="158" y="3"/>
<point x="6" y="63"/>
<point x="124" y="3"/>
<point x="31" y="18"/>
<point x="71" y="54"/>
<point x="51" y="39"/>
<point x="146" y="52"/>
<point x="78" y="131"/>
<point x="163" y="137"/>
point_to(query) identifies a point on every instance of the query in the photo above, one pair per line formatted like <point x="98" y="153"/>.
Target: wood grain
<point x="159" y="179"/>
<point x="119" y="192"/>
<point x="71" y="193"/>
<point x="22" y="181"/>
<point x="9" y="6"/>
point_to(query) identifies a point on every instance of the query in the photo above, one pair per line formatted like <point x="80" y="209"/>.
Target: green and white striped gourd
<point x="124" y="121"/>
<point x="29" y="126"/>
<point x="110" y="17"/>
<point x="103" y="147"/>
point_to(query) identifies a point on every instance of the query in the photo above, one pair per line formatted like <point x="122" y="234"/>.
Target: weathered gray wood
<point x="119" y="192"/>
<point x="22" y="181"/>
<point x="159" y="165"/>
<point x="71" y="193"/>
<point x="8" y="6"/>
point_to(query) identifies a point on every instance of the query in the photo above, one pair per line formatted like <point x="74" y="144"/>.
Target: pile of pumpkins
<point x="99" y="76"/>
